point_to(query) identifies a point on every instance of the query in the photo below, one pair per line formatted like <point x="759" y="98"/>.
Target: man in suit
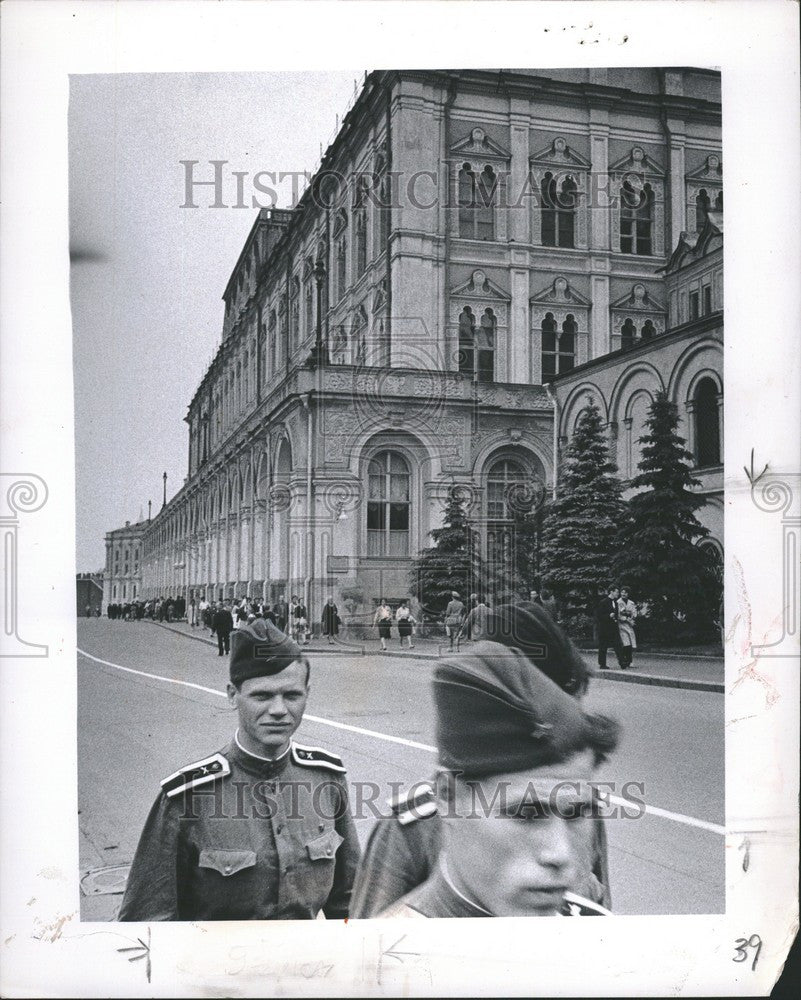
<point x="606" y="622"/>
<point x="223" y="626"/>
<point x="281" y="611"/>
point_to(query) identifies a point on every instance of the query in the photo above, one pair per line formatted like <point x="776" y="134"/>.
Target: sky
<point x="147" y="275"/>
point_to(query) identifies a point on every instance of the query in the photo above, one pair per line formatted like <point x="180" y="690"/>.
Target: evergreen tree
<point x="452" y="563"/>
<point x="581" y="525"/>
<point x="656" y="554"/>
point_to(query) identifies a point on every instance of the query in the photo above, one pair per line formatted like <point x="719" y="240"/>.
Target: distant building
<point x="122" y="577"/>
<point x="89" y="593"/>
<point x="533" y="244"/>
<point x="686" y="361"/>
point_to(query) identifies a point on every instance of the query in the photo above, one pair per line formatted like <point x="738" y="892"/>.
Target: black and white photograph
<point x="400" y="585"/>
<point x="460" y="437"/>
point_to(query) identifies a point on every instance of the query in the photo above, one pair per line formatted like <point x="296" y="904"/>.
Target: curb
<point x="624" y="677"/>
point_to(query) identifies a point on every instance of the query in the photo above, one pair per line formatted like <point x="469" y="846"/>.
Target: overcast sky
<point x="148" y="275"/>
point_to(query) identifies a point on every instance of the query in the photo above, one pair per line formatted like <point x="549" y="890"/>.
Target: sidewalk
<point x="692" y="672"/>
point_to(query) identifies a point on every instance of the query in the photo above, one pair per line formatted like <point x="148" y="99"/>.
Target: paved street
<point x="134" y="730"/>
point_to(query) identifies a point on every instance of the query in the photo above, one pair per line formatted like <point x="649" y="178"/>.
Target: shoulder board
<point x="317" y="757"/>
<point x="200" y="773"/>
<point x="580" y="906"/>
<point x="415" y="803"/>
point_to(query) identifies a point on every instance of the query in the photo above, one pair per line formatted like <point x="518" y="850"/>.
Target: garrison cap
<point x="496" y="712"/>
<point x="259" y="649"/>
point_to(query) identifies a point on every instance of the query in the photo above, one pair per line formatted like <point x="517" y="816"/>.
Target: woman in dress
<point x="330" y="619"/>
<point x="627" y="614"/>
<point x="403" y="617"/>
<point x="383" y="619"/>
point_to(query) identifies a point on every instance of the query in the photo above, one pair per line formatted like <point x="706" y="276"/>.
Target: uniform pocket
<point x="325" y="847"/>
<point x="227" y="862"/>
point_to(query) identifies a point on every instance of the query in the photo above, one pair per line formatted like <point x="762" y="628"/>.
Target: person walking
<point x="471" y="603"/>
<point x="454" y="616"/>
<point x="406" y="623"/>
<point x="300" y="621"/>
<point x="223" y="624"/>
<point x="476" y="621"/>
<point x="281" y="611"/>
<point x="330" y="619"/>
<point x="606" y="620"/>
<point x="383" y="619"/>
<point x="627" y="615"/>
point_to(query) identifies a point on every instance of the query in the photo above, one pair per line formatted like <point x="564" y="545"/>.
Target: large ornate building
<point x="470" y="236"/>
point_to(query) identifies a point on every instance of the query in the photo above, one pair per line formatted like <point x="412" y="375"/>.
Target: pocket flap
<point x="325" y="846"/>
<point x="227" y="862"/>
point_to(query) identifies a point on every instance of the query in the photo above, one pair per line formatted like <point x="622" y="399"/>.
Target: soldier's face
<point x="516" y="842"/>
<point x="270" y="709"/>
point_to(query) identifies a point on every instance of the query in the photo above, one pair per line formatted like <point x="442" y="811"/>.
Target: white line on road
<point x="700" y="824"/>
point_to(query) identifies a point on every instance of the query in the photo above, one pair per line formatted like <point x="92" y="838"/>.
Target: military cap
<point x="532" y="630"/>
<point x="259" y="649"/>
<point x="496" y="712"/>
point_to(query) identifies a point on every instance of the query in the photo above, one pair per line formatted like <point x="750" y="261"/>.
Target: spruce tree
<point x="582" y="523"/>
<point x="657" y="557"/>
<point x="452" y="563"/>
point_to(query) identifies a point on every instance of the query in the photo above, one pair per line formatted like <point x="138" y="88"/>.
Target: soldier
<point x="402" y="848"/>
<point x="260" y="830"/>
<point x="519" y="755"/>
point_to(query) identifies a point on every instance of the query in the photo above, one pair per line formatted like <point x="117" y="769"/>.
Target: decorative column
<point x="19" y="494"/>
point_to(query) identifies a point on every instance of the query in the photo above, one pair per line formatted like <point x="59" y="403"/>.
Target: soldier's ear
<point x="232" y="694"/>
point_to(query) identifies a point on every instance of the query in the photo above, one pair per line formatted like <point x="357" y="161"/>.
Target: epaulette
<point x="580" y="906"/>
<point x="199" y="773"/>
<point x="415" y="803"/>
<point x="317" y="757"/>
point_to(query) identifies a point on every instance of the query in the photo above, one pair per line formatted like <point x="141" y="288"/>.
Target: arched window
<point x="628" y="334"/>
<point x="477" y="197"/>
<point x="360" y="226"/>
<point x="707" y="424"/>
<point x="308" y="296"/>
<point x="558" y="212"/>
<point x="648" y="330"/>
<point x="636" y="219"/>
<point x="342" y="264"/>
<point x="558" y="347"/>
<point x="388" y="505"/>
<point x="273" y="338"/>
<point x="294" y="312"/>
<point x="499" y="478"/>
<point x="339" y="347"/>
<point x="359" y="337"/>
<point x="477" y="346"/>
<point x="701" y="209"/>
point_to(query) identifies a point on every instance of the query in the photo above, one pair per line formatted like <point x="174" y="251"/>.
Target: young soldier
<point x="520" y="755"/>
<point x="260" y="830"/>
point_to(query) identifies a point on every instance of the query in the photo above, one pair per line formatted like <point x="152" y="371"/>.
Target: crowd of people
<point x="614" y="615"/>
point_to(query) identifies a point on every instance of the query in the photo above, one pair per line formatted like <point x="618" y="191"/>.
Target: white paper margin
<point x="45" y="950"/>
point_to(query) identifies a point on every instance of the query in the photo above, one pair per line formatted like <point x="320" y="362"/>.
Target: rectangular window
<point x="693" y="305"/>
<point x="707" y="299"/>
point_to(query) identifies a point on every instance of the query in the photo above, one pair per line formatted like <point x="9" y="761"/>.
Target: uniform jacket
<point x="238" y="837"/>
<point x="402" y="851"/>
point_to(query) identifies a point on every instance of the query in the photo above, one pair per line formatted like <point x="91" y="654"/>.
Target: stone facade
<point x="481" y="233"/>
<point x="686" y="361"/>
<point x="123" y="573"/>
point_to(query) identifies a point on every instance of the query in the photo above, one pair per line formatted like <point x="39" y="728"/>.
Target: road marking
<point x="699" y="824"/>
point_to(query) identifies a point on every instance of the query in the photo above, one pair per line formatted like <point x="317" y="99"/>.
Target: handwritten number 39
<point x="740" y="945"/>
